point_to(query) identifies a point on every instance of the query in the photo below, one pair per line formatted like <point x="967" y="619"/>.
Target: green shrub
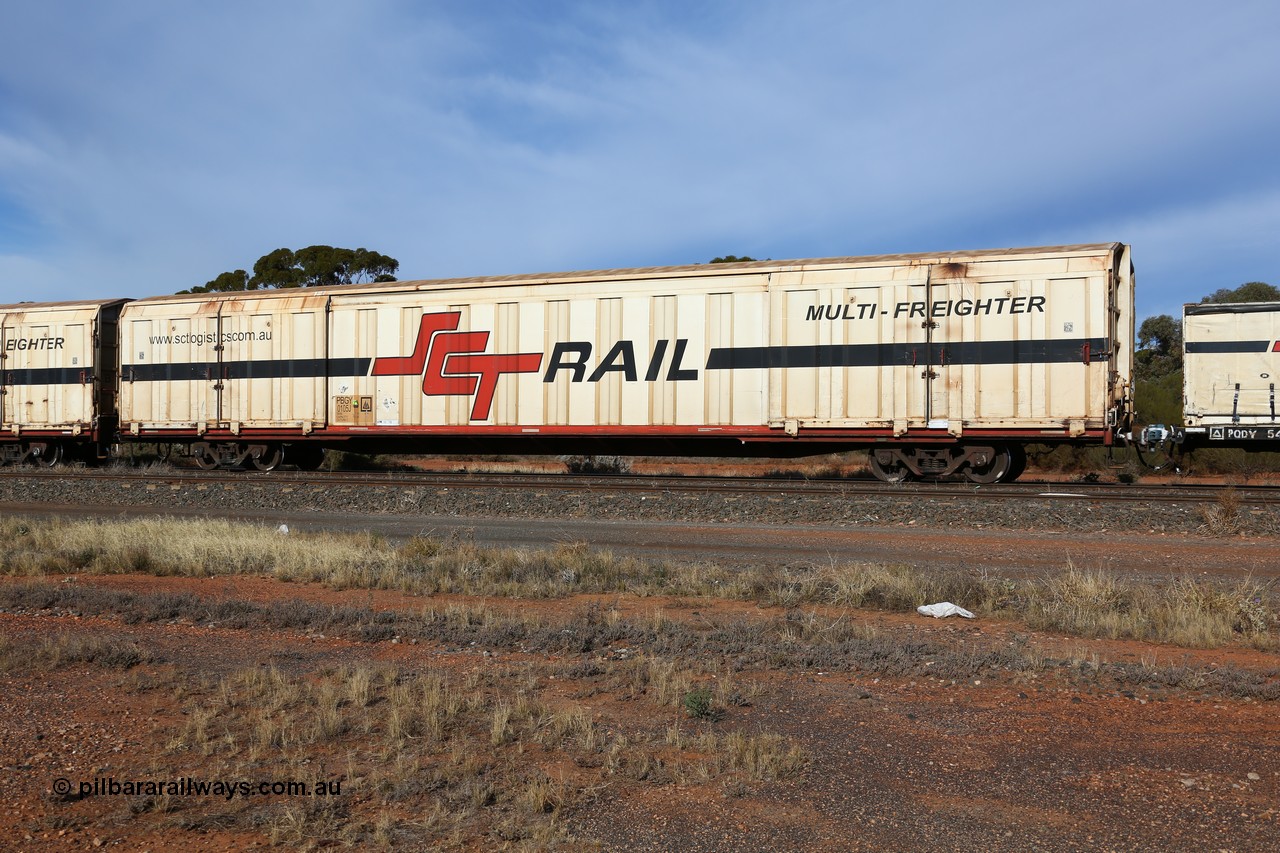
<point x="699" y="704"/>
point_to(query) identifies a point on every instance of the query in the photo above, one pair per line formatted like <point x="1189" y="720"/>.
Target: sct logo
<point x="453" y="362"/>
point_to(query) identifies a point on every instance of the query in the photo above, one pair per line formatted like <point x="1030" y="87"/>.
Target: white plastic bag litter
<point x="943" y="609"/>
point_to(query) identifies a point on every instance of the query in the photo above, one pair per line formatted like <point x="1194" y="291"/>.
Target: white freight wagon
<point x="938" y="363"/>
<point x="57" y="380"/>
<point x="1231" y="363"/>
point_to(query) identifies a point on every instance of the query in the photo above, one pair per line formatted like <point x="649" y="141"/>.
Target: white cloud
<point x="146" y="147"/>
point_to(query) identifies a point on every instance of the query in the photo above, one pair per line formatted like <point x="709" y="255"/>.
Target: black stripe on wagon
<point x="47" y="376"/>
<point x="938" y="353"/>
<point x="297" y="368"/>
<point x="168" y="372"/>
<point x="1228" y="346"/>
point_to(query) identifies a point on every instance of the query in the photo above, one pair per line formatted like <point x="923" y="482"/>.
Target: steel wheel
<point x="892" y="471"/>
<point x="995" y="471"/>
<point x="270" y="458"/>
<point x="205" y="461"/>
<point x="48" y="457"/>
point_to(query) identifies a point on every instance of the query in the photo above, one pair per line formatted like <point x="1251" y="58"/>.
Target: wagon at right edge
<point x="1231" y="366"/>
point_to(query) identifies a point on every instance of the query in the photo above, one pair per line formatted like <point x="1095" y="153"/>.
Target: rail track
<point x="1162" y="493"/>
<point x="1023" y="528"/>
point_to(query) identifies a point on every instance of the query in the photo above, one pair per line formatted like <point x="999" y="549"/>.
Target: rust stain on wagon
<point x="950" y="270"/>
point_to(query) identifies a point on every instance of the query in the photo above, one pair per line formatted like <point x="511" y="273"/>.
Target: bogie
<point x="983" y="464"/>
<point x="42" y="454"/>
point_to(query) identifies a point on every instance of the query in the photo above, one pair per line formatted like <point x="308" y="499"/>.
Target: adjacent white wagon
<point x="1231" y="367"/>
<point x="57" y="379"/>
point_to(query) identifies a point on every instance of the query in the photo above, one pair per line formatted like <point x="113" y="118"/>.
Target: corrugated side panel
<point x="48" y="368"/>
<point x="240" y="363"/>
<point x="552" y="354"/>
<point x="272" y="360"/>
<point x="1231" y="366"/>
<point x="167" y="358"/>
<point x="554" y="395"/>
<point x="1021" y="343"/>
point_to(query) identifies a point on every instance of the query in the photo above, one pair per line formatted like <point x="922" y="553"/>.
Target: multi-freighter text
<point x="926" y="310"/>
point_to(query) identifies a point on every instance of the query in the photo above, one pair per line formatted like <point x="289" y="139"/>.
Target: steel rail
<point x="1098" y="492"/>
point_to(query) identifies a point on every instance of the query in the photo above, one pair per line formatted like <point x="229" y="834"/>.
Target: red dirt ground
<point x="993" y="762"/>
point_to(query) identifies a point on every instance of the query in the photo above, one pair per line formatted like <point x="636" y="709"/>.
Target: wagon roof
<point x="684" y="271"/>
<point x="1195" y="308"/>
<point x="70" y="305"/>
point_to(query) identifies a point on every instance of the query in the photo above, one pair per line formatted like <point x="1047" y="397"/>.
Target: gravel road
<point x="912" y="526"/>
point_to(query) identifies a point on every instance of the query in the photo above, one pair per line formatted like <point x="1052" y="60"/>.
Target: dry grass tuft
<point x="1185" y="611"/>
<point x="762" y="757"/>
<point x="434" y="760"/>
<point x="64" y="650"/>
<point x="1223" y="518"/>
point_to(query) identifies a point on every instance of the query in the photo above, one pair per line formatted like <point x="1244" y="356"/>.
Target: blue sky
<point x="146" y="147"/>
